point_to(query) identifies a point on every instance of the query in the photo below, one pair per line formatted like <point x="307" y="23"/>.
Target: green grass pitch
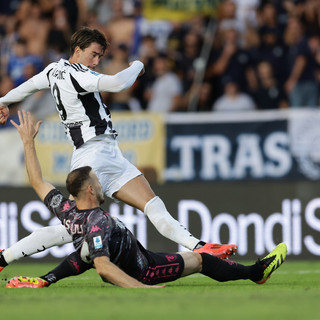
<point x="293" y="292"/>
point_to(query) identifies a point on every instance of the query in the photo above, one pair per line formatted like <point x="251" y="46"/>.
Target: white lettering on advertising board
<point x="289" y="220"/>
<point x="273" y="159"/>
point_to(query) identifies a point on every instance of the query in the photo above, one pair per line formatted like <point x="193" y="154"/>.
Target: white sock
<point x="37" y="241"/>
<point x="167" y="225"/>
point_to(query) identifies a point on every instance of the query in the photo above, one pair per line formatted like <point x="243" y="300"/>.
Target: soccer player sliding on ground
<point x="104" y="242"/>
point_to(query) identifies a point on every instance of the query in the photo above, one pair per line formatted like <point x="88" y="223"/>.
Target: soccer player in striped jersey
<point x="76" y="89"/>
<point x="106" y="244"/>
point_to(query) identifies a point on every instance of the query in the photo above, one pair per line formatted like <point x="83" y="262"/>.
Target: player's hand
<point x="26" y="129"/>
<point x="141" y="72"/>
<point x="4" y="114"/>
<point x="146" y="286"/>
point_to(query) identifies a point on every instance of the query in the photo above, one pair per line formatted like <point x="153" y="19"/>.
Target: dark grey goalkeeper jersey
<point x="105" y="235"/>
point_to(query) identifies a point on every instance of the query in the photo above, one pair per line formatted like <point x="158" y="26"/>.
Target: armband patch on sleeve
<point x="56" y="200"/>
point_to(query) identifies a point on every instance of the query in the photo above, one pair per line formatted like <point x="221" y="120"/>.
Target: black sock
<point x="71" y="266"/>
<point x="3" y="262"/>
<point x="226" y="270"/>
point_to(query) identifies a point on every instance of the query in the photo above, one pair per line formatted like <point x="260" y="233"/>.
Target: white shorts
<point x="104" y="156"/>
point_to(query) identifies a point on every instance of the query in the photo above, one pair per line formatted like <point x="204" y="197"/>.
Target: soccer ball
<point x="84" y="252"/>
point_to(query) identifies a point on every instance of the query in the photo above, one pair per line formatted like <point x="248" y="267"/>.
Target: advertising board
<point x="254" y="215"/>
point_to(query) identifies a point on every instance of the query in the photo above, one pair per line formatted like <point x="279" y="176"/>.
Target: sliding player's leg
<point x="73" y="265"/>
<point x="37" y="241"/>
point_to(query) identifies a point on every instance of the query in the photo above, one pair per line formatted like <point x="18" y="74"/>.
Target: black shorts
<point x="163" y="267"/>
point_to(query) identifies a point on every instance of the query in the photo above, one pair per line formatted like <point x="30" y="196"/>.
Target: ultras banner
<point x="254" y="215"/>
<point x="245" y="146"/>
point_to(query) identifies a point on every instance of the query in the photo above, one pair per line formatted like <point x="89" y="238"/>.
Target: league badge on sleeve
<point x="95" y="73"/>
<point x="97" y="242"/>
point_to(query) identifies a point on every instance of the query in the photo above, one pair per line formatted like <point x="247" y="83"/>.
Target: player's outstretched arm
<point x="109" y="271"/>
<point x="121" y="80"/>
<point x="28" y="133"/>
<point x="20" y="93"/>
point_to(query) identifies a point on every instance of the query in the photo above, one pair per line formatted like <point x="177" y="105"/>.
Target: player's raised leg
<point x="222" y="251"/>
<point x="138" y="193"/>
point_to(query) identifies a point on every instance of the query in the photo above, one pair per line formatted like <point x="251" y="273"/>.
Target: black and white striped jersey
<point x="75" y="89"/>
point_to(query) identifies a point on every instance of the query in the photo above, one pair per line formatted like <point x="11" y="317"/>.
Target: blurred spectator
<point x="119" y="101"/>
<point x="147" y="54"/>
<point x="293" y="8"/>
<point x="310" y="17"/>
<point x="120" y="27"/>
<point x="246" y="12"/>
<point x="6" y="84"/>
<point x="226" y="10"/>
<point x="301" y="85"/>
<point x="315" y="47"/>
<point x="137" y="35"/>
<point x="33" y="27"/>
<point x="230" y="60"/>
<point x="233" y="99"/>
<point x="7" y="44"/>
<point x="204" y="94"/>
<point x="20" y="60"/>
<point x="58" y="35"/>
<point x="271" y="49"/>
<point x="158" y="29"/>
<point x="190" y="51"/>
<point x="76" y="12"/>
<point x="267" y="17"/>
<point x="9" y="7"/>
<point x="251" y="43"/>
<point x="270" y="94"/>
<point x="101" y="10"/>
<point x="197" y="24"/>
<point x="165" y="94"/>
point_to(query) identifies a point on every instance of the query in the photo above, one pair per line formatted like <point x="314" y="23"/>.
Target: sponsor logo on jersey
<point x="73" y="228"/>
<point x="66" y="207"/>
<point x="73" y="124"/>
<point x="94" y="229"/>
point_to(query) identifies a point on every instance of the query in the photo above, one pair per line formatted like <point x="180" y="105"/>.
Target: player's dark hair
<point x="76" y="179"/>
<point x="85" y="36"/>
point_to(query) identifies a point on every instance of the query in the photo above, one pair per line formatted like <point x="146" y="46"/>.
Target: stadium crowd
<point x="259" y="55"/>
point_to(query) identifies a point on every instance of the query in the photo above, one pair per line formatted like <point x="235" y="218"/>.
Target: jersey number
<point x="57" y="97"/>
